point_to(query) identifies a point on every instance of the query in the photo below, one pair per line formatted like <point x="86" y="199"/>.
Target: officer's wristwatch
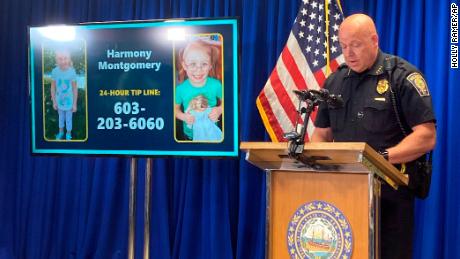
<point x="384" y="153"/>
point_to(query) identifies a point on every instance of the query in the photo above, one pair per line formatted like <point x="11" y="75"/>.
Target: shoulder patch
<point x="419" y="83"/>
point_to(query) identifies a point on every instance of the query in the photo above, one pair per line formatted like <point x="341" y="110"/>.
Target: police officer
<point x="369" y="115"/>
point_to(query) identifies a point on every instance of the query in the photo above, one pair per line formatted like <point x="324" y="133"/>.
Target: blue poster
<point x="153" y="88"/>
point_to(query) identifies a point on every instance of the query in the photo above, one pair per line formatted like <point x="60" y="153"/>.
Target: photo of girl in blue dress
<point x="198" y="96"/>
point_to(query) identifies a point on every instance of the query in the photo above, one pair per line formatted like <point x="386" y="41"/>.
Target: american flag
<point x="304" y="63"/>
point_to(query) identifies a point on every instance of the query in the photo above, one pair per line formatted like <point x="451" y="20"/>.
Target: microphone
<point x="322" y="95"/>
<point x="333" y="100"/>
<point x="303" y="94"/>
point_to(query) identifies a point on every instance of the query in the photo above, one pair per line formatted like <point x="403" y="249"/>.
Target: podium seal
<point x="319" y="230"/>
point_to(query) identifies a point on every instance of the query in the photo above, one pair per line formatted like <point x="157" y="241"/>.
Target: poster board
<point x="130" y="88"/>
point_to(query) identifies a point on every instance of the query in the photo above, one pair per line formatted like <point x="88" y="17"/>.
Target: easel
<point x="132" y="207"/>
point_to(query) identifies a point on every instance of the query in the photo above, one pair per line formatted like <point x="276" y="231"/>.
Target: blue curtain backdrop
<point x="77" y="207"/>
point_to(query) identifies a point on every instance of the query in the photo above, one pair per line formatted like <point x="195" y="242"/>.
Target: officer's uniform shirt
<point x="368" y="114"/>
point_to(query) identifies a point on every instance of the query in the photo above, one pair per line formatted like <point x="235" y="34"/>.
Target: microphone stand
<point x="312" y="98"/>
<point x="297" y="141"/>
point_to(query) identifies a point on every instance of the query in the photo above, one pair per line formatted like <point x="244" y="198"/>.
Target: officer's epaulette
<point x="343" y="66"/>
<point x="340" y="70"/>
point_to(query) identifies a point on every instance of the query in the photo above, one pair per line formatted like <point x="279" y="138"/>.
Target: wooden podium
<point x="344" y="178"/>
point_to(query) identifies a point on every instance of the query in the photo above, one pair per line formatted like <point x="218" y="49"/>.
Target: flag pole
<point x="328" y="61"/>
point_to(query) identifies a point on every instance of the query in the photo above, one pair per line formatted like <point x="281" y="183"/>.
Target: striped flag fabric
<point x="312" y="51"/>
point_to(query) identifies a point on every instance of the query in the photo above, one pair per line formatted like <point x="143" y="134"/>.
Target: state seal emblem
<point x="319" y="230"/>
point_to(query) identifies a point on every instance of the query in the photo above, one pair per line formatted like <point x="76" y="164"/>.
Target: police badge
<point x="319" y="230"/>
<point x="382" y="86"/>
